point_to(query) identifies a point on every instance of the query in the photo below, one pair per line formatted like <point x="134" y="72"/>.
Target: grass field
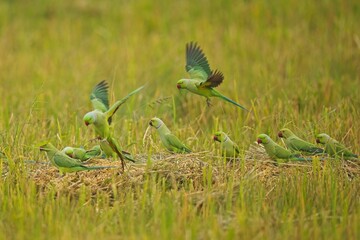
<point x="293" y="63"/>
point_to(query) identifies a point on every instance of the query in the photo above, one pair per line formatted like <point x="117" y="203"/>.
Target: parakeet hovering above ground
<point x="101" y="117"/>
<point x="275" y="151"/>
<point x="82" y="154"/>
<point x="333" y="147"/>
<point x="65" y="163"/>
<point x="202" y="79"/>
<point x="170" y="141"/>
<point x="295" y="143"/>
<point x="229" y="148"/>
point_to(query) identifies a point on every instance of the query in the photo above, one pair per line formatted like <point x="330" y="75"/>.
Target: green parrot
<point x="202" y="79"/>
<point x="82" y="154"/>
<point x="170" y="141"/>
<point x="101" y="117"/>
<point x="229" y="148"/>
<point x="275" y="151"/>
<point x="295" y="143"/>
<point x="333" y="147"/>
<point x="64" y="163"/>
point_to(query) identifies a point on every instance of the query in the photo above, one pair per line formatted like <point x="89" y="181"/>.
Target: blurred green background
<point x="293" y="63"/>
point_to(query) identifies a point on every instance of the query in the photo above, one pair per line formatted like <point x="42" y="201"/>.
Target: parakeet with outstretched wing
<point x="101" y="117"/>
<point x="202" y="79"/>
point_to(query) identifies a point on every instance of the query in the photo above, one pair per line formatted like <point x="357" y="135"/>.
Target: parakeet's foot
<point x="208" y="102"/>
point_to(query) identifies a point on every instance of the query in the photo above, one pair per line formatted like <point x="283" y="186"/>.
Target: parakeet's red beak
<point x="150" y="123"/>
<point x="215" y="138"/>
<point x="86" y="123"/>
<point x="317" y="141"/>
<point x="178" y="86"/>
<point x="280" y="134"/>
<point x="259" y="141"/>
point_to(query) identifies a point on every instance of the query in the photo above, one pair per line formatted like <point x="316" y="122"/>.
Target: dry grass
<point x="179" y="171"/>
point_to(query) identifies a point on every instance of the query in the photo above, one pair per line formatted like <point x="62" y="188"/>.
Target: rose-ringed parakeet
<point x="229" y="148"/>
<point x="170" y="141"/>
<point x="101" y="117"/>
<point x="83" y="154"/>
<point x="333" y="147"/>
<point x="64" y="163"/>
<point x="202" y="79"/>
<point x="275" y="151"/>
<point x="294" y="143"/>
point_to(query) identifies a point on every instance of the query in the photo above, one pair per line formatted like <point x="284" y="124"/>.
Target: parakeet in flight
<point x="229" y="148"/>
<point x="202" y="79"/>
<point x="294" y="143"/>
<point x="101" y="117"/>
<point x="275" y="151"/>
<point x="82" y="154"/>
<point x="170" y="141"/>
<point x="333" y="147"/>
<point x="64" y="163"/>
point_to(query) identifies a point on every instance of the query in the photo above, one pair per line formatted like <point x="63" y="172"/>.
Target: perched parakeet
<point x="101" y="117"/>
<point x="170" y="141"/>
<point x="65" y="163"/>
<point x="82" y="154"/>
<point x="202" y="79"/>
<point x="333" y="147"/>
<point x="229" y="148"/>
<point x="295" y="143"/>
<point x="275" y="151"/>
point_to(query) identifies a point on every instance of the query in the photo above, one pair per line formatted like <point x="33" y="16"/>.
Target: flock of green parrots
<point x="202" y="82"/>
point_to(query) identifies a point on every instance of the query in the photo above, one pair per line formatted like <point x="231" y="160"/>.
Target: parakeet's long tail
<point x="128" y="156"/>
<point x="315" y="150"/>
<point x="230" y="101"/>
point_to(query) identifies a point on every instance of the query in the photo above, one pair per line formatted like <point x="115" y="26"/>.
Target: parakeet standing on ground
<point x="295" y="143"/>
<point x="275" y="151"/>
<point x="333" y="147"/>
<point x="64" y="163"/>
<point x="229" y="148"/>
<point x="202" y="79"/>
<point x="170" y="141"/>
<point x="101" y="117"/>
<point x="83" y="154"/>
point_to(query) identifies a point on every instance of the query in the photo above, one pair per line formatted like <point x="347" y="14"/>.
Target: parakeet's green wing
<point x="116" y="105"/>
<point x="306" y="146"/>
<point x="196" y="63"/>
<point x="65" y="162"/>
<point x="214" y="80"/>
<point x="174" y="141"/>
<point x="99" y="96"/>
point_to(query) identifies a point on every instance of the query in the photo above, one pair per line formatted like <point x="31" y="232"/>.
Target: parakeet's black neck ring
<point x="159" y="126"/>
